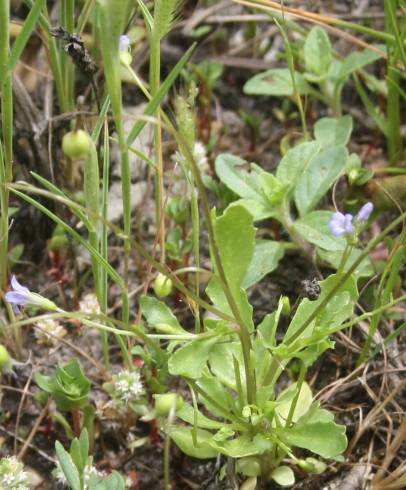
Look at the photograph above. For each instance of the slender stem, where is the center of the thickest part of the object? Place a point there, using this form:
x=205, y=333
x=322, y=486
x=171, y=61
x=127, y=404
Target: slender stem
x=291, y=64
x=6, y=141
x=372, y=244
x=167, y=447
x=155, y=79
x=104, y=242
x=394, y=136
x=383, y=296
x=296, y=398
x=76, y=422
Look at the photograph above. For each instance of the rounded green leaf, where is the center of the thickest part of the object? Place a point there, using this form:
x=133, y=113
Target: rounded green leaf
x=276, y=82
x=284, y=476
x=317, y=51
x=182, y=436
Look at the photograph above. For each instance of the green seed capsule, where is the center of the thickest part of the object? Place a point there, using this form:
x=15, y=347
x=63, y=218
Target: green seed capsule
x=162, y=286
x=306, y=466
x=76, y=144
x=5, y=359
x=164, y=403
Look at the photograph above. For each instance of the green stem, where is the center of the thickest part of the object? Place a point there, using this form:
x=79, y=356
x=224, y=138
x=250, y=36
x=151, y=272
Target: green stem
x=6, y=143
x=155, y=80
x=291, y=64
x=277, y=365
x=295, y=400
x=394, y=137
x=383, y=296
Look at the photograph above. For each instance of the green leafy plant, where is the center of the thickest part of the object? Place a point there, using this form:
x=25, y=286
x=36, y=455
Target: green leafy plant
x=70, y=388
x=76, y=469
x=232, y=369
x=323, y=76
x=304, y=175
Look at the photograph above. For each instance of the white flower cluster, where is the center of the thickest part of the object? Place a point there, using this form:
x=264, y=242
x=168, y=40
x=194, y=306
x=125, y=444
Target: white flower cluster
x=90, y=475
x=49, y=332
x=128, y=386
x=89, y=304
x=200, y=157
x=12, y=474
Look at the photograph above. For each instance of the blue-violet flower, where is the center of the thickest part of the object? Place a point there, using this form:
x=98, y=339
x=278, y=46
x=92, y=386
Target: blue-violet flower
x=365, y=212
x=21, y=296
x=341, y=223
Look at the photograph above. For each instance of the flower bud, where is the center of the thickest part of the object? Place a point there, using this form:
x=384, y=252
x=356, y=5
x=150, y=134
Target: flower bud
x=162, y=286
x=76, y=144
x=286, y=308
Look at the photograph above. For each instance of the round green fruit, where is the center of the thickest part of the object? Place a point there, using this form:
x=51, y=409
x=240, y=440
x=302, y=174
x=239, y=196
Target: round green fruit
x=76, y=144
x=306, y=466
x=5, y=359
x=162, y=286
x=164, y=403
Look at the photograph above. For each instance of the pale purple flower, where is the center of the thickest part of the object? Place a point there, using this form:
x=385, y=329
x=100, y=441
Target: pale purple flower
x=21, y=296
x=365, y=212
x=124, y=43
x=341, y=223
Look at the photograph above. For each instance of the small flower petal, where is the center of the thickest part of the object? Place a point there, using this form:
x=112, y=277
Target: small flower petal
x=17, y=286
x=365, y=212
x=336, y=224
x=348, y=223
x=341, y=223
x=124, y=43
x=17, y=297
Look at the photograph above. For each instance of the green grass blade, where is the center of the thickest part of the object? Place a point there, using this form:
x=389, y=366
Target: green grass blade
x=93, y=252
x=23, y=37
x=149, y=20
x=153, y=104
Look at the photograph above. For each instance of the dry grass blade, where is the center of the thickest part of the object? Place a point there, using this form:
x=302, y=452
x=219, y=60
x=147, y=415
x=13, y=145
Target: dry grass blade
x=322, y=20
x=396, y=479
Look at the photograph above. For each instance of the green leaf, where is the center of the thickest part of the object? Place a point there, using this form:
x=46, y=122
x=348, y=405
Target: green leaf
x=267, y=254
x=317, y=51
x=69, y=386
x=243, y=446
x=164, y=88
x=84, y=444
x=182, y=436
x=235, y=237
x=330, y=131
x=314, y=227
x=23, y=37
x=296, y=161
x=212, y=386
x=113, y=482
x=323, y=170
x=239, y=181
x=187, y=414
x=160, y=316
x=69, y=469
x=46, y=383
x=283, y=475
x=325, y=439
x=222, y=365
x=337, y=310
x=190, y=360
x=304, y=402
x=357, y=60
x=364, y=269
x=276, y=82
x=76, y=455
